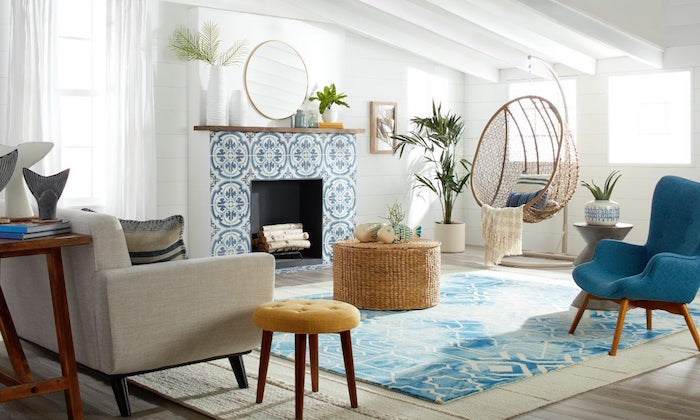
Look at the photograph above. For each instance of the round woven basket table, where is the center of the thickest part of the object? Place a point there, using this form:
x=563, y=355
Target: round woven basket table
x=374, y=275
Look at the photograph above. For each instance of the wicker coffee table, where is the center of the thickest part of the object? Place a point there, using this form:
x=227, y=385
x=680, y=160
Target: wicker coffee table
x=374, y=275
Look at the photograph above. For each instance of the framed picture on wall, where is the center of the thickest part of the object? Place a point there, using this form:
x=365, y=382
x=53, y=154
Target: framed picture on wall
x=382, y=125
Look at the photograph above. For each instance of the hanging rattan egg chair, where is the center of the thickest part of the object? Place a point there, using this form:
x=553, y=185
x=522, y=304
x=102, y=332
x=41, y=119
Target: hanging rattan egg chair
x=526, y=156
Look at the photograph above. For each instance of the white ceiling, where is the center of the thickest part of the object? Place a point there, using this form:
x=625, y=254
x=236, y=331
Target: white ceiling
x=481, y=37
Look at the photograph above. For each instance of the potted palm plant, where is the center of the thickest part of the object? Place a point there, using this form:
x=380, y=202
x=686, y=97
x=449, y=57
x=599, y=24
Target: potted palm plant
x=204, y=46
x=445, y=174
x=326, y=98
x=602, y=210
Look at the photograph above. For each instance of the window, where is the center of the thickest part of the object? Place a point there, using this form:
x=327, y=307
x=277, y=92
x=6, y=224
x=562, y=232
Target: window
x=649, y=118
x=549, y=90
x=81, y=61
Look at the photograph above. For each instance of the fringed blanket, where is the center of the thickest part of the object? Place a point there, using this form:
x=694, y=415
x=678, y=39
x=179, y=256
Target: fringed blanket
x=502, y=230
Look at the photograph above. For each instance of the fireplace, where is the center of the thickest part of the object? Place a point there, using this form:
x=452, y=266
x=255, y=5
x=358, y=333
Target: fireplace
x=314, y=165
x=285, y=201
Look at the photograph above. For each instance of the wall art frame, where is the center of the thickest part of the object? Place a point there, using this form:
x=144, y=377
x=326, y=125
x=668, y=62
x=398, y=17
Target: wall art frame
x=382, y=126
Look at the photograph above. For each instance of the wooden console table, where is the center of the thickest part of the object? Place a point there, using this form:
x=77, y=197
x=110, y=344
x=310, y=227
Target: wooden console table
x=21, y=384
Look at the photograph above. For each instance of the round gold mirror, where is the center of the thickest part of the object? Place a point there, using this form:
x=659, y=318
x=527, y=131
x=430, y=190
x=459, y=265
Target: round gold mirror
x=276, y=79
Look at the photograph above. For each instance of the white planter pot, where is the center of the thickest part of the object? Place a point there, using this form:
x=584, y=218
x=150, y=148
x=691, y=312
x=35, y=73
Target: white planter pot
x=602, y=212
x=238, y=108
x=330, y=115
x=451, y=236
x=217, y=97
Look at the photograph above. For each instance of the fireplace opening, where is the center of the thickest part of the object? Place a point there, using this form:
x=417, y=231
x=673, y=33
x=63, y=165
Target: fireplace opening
x=288, y=201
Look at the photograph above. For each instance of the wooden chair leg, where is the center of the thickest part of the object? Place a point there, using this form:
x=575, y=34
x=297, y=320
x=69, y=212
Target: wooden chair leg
x=579, y=314
x=313, y=356
x=346, y=344
x=264, y=361
x=299, y=373
x=239, y=370
x=691, y=325
x=649, y=319
x=624, y=306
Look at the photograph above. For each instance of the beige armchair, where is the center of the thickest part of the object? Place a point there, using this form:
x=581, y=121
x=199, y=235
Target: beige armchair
x=133, y=319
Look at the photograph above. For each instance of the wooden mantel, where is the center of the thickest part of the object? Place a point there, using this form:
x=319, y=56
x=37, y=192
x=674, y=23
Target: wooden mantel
x=277, y=129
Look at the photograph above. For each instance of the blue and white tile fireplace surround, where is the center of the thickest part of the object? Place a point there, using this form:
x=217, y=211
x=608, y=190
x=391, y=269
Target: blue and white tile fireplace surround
x=240, y=157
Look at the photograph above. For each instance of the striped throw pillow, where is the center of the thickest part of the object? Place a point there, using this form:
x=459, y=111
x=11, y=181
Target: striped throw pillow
x=154, y=241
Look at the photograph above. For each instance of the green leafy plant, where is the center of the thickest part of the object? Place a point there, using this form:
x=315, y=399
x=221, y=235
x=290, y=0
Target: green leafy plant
x=396, y=214
x=606, y=191
x=204, y=46
x=439, y=136
x=329, y=96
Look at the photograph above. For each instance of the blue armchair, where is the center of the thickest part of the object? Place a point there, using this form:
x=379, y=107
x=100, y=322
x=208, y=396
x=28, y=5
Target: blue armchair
x=662, y=274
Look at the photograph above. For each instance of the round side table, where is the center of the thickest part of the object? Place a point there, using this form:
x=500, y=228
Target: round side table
x=592, y=234
x=373, y=275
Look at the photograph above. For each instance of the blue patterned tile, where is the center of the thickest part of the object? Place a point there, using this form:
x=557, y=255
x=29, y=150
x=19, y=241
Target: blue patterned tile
x=237, y=159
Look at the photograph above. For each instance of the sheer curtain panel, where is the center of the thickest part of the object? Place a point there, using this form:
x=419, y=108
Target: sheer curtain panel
x=131, y=188
x=32, y=102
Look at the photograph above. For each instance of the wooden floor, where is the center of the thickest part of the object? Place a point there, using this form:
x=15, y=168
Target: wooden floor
x=670, y=392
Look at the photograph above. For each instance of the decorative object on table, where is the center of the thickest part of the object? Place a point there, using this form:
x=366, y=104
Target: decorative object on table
x=382, y=127
x=7, y=167
x=329, y=99
x=17, y=204
x=439, y=137
x=47, y=190
x=204, y=46
x=662, y=273
x=367, y=232
x=602, y=210
x=238, y=108
x=396, y=231
x=300, y=119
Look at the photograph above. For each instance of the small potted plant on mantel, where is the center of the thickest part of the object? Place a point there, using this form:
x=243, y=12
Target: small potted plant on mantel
x=328, y=97
x=602, y=210
x=439, y=138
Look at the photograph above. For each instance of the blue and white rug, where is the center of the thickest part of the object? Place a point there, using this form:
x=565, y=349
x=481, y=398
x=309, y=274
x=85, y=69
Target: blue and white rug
x=488, y=330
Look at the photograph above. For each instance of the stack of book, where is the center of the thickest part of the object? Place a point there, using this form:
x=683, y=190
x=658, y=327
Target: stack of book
x=34, y=229
x=324, y=124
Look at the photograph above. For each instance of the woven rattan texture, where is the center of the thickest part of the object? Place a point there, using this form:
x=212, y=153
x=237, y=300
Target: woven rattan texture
x=525, y=136
x=381, y=276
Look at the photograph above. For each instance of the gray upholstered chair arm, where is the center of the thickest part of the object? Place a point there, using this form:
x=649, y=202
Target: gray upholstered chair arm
x=165, y=314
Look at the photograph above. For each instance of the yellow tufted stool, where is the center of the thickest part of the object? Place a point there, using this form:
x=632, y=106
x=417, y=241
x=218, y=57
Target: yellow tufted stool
x=306, y=317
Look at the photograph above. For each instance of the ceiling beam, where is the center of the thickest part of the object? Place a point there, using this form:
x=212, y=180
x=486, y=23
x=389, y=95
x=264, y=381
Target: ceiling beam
x=372, y=23
x=454, y=28
x=513, y=21
x=633, y=47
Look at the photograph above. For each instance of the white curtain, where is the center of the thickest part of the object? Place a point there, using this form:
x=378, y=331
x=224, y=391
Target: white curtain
x=130, y=134
x=32, y=99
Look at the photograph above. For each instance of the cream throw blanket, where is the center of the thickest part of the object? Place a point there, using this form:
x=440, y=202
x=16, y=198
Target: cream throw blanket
x=502, y=230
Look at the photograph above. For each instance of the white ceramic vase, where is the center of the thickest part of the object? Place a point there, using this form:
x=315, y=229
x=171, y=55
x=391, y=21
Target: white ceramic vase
x=238, y=108
x=217, y=96
x=330, y=114
x=451, y=236
x=602, y=212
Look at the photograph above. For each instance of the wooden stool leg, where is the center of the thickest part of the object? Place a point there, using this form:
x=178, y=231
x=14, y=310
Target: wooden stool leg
x=299, y=373
x=264, y=360
x=346, y=344
x=313, y=356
